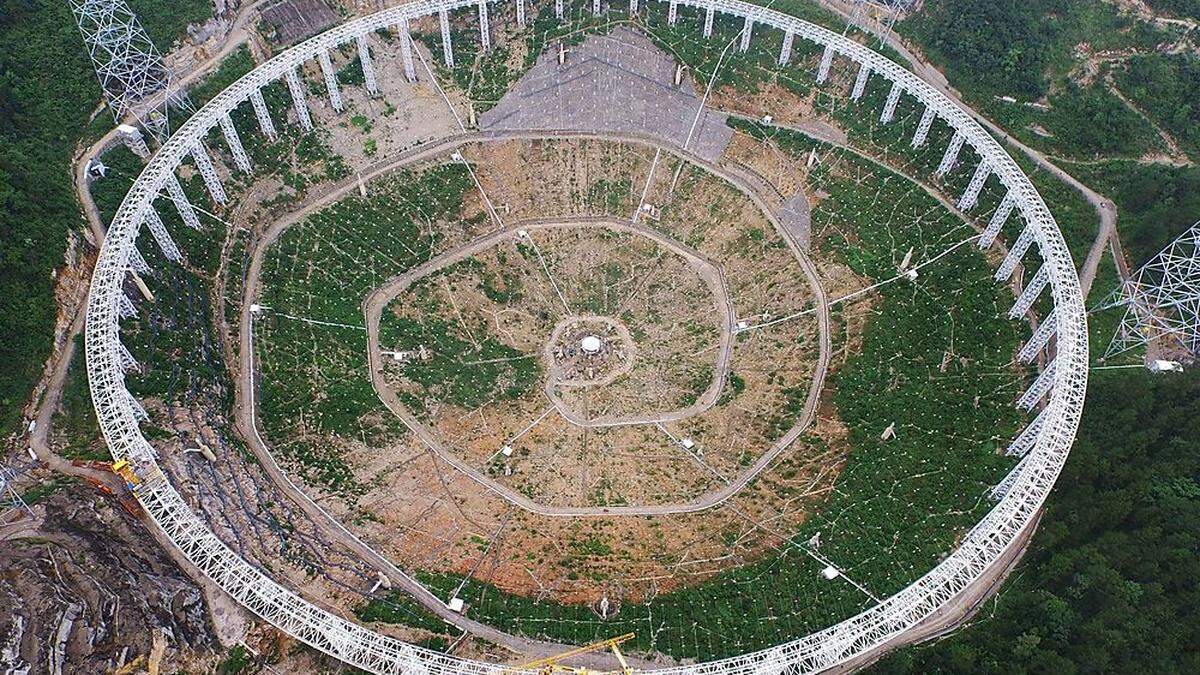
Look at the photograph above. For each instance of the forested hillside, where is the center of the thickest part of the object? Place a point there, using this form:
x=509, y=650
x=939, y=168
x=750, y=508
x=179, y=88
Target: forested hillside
x=1109, y=584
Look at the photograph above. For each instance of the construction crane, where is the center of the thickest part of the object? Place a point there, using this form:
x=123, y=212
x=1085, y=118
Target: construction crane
x=552, y=664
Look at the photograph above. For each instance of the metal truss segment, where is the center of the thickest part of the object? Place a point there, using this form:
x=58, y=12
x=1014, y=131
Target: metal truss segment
x=708, y=20
x=893, y=99
x=747, y=30
x=406, y=47
x=1025, y=440
x=1003, y=211
x=159, y=231
x=950, y=158
x=368, y=66
x=1020, y=247
x=521, y=12
x=826, y=62
x=447, y=47
x=299, y=103
x=208, y=173
x=1029, y=295
x=672, y=12
x=262, y=114
x=924, y=126
x=331, y=83
x=785, y=51
x=971, y=196
x=1040, y=387
x=485, y=30
x=180, y=200
x=860, y=82
x=235, y=144
x=1040, y=338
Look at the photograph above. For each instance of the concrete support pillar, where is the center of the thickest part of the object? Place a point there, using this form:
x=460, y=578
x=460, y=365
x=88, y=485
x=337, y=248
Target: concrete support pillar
x=826, y=62
x=182, y=205
x=1039, y=340
x=708, y=21
x=1029, y=294
x=234, y=142
x=447, y=49
x=1018, y=251
x=971, y=196
x=485, y=30
x=208, y=173
x=893, y=99
x=406, y=47
x=860, y=82
x=298, y=101
x=950, y=158
x=520, y=12
x=264, y=116
x=331, y=85
x=368, y=66
x=785, y=52
x=1040, y=387
x=997, y=222
x=134, y=140
x=161, y=237
x=923, y=128
x=672, y=12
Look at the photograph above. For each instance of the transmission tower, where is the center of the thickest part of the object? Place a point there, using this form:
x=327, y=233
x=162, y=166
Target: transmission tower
x=1162, y=301
x=10, y=500
x=131, y=71
x=888, y=11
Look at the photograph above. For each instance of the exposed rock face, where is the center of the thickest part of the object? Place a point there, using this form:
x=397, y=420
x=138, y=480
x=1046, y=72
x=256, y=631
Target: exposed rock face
x=84, y=589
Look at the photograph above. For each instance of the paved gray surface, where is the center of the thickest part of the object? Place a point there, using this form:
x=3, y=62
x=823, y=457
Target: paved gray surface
x=617, y=84
x=795, y=215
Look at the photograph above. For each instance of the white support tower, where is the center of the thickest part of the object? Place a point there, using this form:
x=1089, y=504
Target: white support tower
x=447, y=48
x=1162, y=301
x=924, y=126
x=971, y=196
x=1020, y=247
x=368, y=66
x=180, y=200
x=860, y=82
x=633, y=6
x=132, y=73
x=893, y=99
x=1007, y=482
x=137, y=264
x=785, y=52
x=208, y=172
x=1039, y=340
x=826, y=62
x=234, y=141
x=125, y=308
x=331, y=84
x=1040, y=387
x=596, y=7
x=558, y=8
x=299, y=103
x=125, y=358
x=1029, y=294
x=1025, y=440
x=672, y=12
x=520, y=12
x=997, y=222
x=406, y=51
x=485, y=30
x=950, y=158
x=708, y=20
x=161, y=237
x=747, y=31
x=263, y=114
x=11, y=502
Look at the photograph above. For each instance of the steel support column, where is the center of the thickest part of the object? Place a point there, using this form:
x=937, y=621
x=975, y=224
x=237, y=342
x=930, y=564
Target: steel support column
x=262, y=113
x=137, y=264
x=747, y=31
x=125, y=306
x=1039, y=340
x=182, y=205
x=558, y=8
x=1029, y=294
x=447, y=48
x=1025, y=440
x=596, y=7
x=860, y=82
x=826, y=62
x=208, y=173
x=234, y=142
x=161, y=237
x=406, y=54
x=368, y=66
x=485, y=30
x=997, y=222
x=520, y=12
x=331, y=85
x=950, y=158
x=1018, y=250
x=672, y=12
x=893, y=99
x=708, y=21
x=633, y=6
x=299, y=104
x=1040, y=387
x=785, y=52
x=971, y=196
x=923, y=127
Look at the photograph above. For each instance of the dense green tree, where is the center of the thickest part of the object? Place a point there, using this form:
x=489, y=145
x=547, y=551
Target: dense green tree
x=1109, y=584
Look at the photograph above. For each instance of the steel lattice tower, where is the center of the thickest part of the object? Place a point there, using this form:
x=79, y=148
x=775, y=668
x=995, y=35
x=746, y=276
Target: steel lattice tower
x=1162, y=299
x=130, y=68
x=10, y=499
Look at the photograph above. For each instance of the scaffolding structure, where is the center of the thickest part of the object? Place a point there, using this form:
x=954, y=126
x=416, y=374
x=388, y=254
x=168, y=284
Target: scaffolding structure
x=12, y=505
x=132, y=73
x=1161, y=301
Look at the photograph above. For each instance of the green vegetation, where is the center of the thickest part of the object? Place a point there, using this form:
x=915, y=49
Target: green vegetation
x=1109, y=583
x=399, y=608
x=314, y=380
x=1165, y=86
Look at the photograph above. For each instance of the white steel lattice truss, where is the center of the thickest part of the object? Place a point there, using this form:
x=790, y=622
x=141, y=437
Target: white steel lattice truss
x=130, y=69
x=1162, y=300
x=1044, y=448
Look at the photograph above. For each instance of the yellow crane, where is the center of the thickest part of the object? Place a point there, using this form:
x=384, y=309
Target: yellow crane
x=551, y=664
